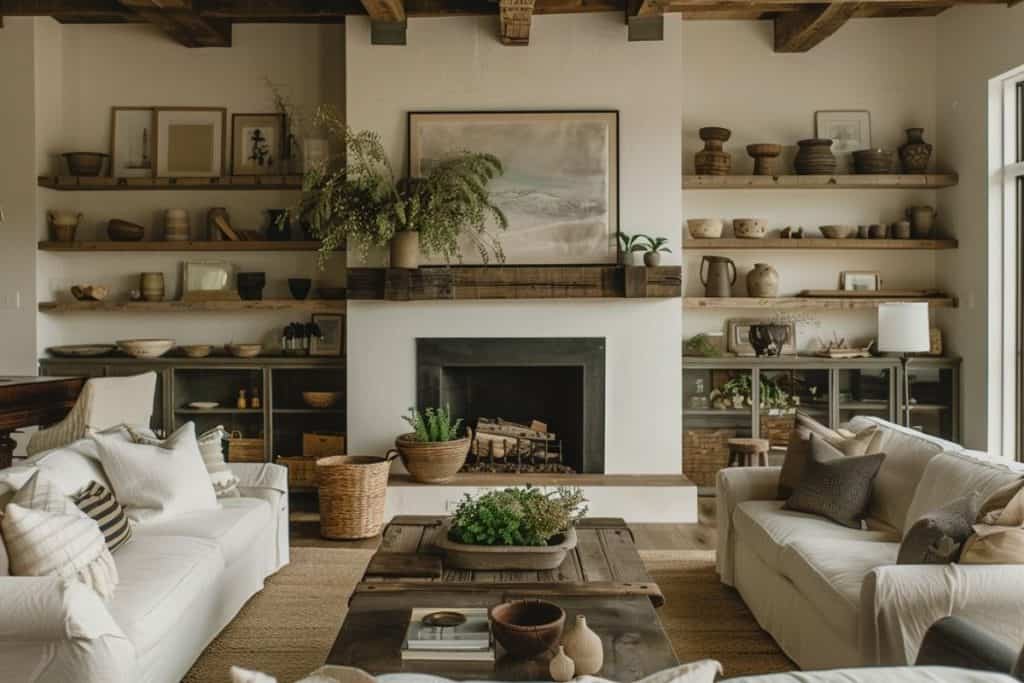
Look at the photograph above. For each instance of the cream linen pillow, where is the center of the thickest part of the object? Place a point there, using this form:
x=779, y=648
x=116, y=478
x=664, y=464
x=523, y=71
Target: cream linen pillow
x=1002, y=540
x=153, y=482
x=211, y=447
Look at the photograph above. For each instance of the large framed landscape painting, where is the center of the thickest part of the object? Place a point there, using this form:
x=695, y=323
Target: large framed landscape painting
x=561, y=182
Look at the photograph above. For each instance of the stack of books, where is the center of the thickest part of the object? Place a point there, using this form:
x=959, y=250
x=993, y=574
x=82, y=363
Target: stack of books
x=444, y=634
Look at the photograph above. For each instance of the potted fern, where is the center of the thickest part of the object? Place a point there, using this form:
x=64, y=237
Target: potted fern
x=363, y=202
x=652, y=247
x=434, y=450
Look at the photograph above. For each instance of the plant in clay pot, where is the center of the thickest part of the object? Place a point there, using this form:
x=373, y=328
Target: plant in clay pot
x=631, y=247
x=436, y=448
x=362, y=201
x=653, y=248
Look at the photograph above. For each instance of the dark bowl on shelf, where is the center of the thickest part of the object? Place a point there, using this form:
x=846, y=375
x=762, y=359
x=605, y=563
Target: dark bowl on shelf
x=527, y=628
x=299, y=287
x=873, y=161
x=250, y=285
x=85, y=163
x=124, y=231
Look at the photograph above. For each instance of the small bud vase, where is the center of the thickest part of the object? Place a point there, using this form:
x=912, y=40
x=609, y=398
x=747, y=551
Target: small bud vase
x=584, y=647
x=561, y=667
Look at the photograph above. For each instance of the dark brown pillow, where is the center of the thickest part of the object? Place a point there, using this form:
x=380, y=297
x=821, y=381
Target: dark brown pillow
x=835, y=486
x=798, y=452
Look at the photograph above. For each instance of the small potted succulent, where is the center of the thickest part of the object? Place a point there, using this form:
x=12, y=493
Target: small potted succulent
x=652, y=248
x=514, y=528
x=437, y=446
x=631, y=247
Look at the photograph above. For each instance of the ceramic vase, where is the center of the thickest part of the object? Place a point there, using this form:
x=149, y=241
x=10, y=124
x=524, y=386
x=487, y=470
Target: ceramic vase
x=561, y=667
x=815, y=157
x=712, y=160
x=405, y=249
x=176, y=225
x=763, y=281
x=584, y=648
x=922, y=220
x=652, y=259
x=915, y=153
x=900, y=230
x=719, y=277
x=152, y=286
x=768, y=340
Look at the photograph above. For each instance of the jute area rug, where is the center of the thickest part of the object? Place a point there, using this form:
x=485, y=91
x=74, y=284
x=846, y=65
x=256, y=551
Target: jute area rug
x=288, y=628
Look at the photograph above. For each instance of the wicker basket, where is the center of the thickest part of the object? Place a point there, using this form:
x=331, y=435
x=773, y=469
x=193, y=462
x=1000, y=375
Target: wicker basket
x=777, y=428
x=245, y=450
x=705, y=451
x=301, y=470
x=353, y=492
x=433, y=462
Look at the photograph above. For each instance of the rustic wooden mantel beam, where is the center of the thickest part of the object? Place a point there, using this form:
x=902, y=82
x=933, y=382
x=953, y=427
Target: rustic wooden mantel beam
x=801, y=30
x=514, y=19
x=180, y=20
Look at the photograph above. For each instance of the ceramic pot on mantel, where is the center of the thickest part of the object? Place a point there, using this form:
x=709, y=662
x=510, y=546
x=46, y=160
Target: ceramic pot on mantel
x=763, y=281
x=712, y=160
x=916, y=153
x=405, y=249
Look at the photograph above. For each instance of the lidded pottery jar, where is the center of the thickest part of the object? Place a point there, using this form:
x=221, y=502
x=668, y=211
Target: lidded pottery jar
x=916, y=153
x=815, y=157
x=763, y=281
x=583, y=647
x=712, y=160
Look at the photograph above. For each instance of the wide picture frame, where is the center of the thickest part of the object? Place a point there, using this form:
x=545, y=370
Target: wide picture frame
x=191, y=142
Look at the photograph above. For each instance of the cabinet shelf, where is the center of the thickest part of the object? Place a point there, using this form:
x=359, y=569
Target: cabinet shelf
x=219, y=411
x=798, y=302
x=164, y=246
x=103, y=183
x=309, y=411
x=310, y=305
x=812, y=243
x=887, y=181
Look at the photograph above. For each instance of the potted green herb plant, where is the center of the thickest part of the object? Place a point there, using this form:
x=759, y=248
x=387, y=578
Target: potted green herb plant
x=652, y=248
x=514, y=528
x=363, y=202
x=437, y=446
x=631, y=246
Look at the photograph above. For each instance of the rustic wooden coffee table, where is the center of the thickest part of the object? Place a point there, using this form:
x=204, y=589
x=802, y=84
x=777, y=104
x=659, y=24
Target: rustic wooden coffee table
x=603, y=578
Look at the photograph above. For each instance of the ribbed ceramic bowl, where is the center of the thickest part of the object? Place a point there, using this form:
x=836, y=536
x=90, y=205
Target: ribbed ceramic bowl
x=704, y=228
x=320, y=399
x=243, y=350
x=527, y=628
x=145, y=348
x=750, y=228
x=838, y=232
x=196, y=350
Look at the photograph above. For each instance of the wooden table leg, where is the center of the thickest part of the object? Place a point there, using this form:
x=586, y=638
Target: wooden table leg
x=7, y=446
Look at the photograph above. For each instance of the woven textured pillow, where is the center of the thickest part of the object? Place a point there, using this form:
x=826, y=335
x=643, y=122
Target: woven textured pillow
x=100, y=504
x=798, y=452
x=211, y=447
x=938, y=537
x=835, y=486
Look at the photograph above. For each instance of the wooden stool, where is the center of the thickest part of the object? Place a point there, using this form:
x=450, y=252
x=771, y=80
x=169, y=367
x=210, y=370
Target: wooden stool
x=748, y=452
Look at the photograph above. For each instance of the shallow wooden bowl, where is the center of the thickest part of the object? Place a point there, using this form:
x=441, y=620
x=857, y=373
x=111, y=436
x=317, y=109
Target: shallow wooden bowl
x=320, y=399
x=196, y=350
x=145, y=348
x=527, y=628
x=89, y=292
x=838, y=232
x=243, y=350
x=124, y=231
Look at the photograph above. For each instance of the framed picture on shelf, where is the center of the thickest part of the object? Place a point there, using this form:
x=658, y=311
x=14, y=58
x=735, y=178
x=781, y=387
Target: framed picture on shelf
x=131, y=142
x=560, y=188
x=190, y=141
x=332, y=335
x=257, y=144
x=208, y=281
x=860, y=281
x=738, y=337
x=849, y=131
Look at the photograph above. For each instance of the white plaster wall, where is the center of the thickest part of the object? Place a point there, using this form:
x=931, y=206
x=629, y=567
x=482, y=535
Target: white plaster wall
x=977, y=43
x=573, y=62
x=732, y=78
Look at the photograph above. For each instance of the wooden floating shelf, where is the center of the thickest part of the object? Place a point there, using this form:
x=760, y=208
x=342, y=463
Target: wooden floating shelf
x=885, y=181
x=514, y=282
x=310, y=305
x=547, y=479
x=815, y=243
x=165, y=246
x=798, y=302
x=90, y=183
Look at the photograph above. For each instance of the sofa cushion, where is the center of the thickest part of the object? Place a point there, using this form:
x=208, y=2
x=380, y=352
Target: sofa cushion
x=951, y=475
x=161, y=576
x=835, y=486
x=73, y=466
x=829, y=572
x=766, y=528
x=798, y=451
x=234, y=527
x=938, y=537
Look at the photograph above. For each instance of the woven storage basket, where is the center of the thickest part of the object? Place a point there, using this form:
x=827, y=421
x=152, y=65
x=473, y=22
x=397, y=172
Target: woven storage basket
x=353, y=492
x=433, y=462
x=705, y=451
x=301, y=470
x=245, y=450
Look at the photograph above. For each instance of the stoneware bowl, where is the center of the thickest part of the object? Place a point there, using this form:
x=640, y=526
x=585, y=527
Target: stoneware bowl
x=320, y=399
x=89, y=292
x=838, y=232
x=704, y=228
x=145, y=348
x=527, y=628
x=124, y=231
x=243, y=350
x=750, y=228
x=85, y=163
x=196, y=350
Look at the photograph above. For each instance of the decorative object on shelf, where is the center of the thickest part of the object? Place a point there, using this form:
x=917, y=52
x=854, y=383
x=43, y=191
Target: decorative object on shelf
x=131, y=142
x=838, y=348
x=177, y=226
x=404, y=249
x=257, y=146
x=705, y=345
x=872, y=161
x=190, y=141
x=254, y=398
x=860, y=281
x=849, y=131
x=299, y=287
x=862, y=232
x=433, y=452
x=321, y=399
x=900, y=230
x=652, y=249
x=213, y=231
x=196, y=350
x=561, y=668
x=763, y=281
x=631, y=249
x=279, y=227
x=815, y=157
x=712, y=160
x=145, y=348
x=922, y=220
x=134, y=295
x=791, y=233
x=151, y=285
x=331, y=335
x=208, y=281
x=561, y=184
x=838, y=232
x=203, y=405
x=878, y=231
x=63, y=224
x=750, y=228
x=88, y=164
x=719, y=277
x=584, y=647
x=242, y=402
x=89, y=292
x=737, y=394
x=296, y=338
x=699, y=400
x=764, y=155
x=243, y=449
x=81, y=350
x=935, y=337
x=527, y=628
x=243, y=350
x=768, y=339
x=124, y=231
x=352, y=495
x=326, y=290
x=322, y=444
x=915, y=152
x=738, y=336
x=704, y=228
x=250, y=285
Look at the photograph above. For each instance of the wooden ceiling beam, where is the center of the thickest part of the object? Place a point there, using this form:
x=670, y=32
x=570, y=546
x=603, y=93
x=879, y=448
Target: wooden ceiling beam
x=179, y=20
x=802, y=30
x=387, y=21
x=514, y=19
x=645, y=19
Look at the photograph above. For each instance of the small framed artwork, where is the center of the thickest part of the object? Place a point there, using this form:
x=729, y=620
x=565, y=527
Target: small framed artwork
x=738, y=337
x=860, y=281
x=208, y=281
x=849, y=131
x=190, y=141
x=332, y=335
x=131, y=142
x=257, y=144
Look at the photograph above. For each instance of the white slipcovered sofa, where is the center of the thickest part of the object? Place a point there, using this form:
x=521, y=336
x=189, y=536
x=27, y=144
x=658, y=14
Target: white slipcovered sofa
x=182, y=580
x=835, y=597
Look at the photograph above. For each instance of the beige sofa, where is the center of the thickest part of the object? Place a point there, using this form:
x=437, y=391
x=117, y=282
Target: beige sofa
x=835, y=597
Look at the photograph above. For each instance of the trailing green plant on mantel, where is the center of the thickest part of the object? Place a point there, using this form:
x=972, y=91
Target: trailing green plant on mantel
x=517, y=516
x=433, y=424
x=357, y=198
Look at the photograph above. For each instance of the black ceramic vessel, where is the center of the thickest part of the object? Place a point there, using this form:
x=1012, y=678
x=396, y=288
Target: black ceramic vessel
x=299, y=287
x=768, y=339
x=250, y=285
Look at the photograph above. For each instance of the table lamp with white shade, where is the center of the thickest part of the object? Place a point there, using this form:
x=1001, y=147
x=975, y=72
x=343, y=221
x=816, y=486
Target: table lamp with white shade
x=903, y=328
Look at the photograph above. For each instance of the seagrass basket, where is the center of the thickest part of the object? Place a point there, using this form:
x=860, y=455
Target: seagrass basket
x=353, y=492
x=433, y=462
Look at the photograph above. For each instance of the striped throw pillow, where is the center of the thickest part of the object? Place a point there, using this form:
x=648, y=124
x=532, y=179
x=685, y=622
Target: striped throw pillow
x=99, y=504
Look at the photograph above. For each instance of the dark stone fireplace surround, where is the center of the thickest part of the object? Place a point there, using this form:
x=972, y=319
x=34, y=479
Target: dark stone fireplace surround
x=435, y=354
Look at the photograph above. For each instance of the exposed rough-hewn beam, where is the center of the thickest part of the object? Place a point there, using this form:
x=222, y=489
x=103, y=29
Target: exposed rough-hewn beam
x=802, y=30
x=180, y=20
x=514, y=17
x=387, y=21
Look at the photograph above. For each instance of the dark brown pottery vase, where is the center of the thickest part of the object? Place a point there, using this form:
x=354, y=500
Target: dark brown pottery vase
x=712, y=160
x=916, y=153
x=815, y=157
x=768, y=340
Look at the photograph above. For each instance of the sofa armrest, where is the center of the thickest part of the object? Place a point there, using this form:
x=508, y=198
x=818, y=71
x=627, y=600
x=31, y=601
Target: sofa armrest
x=268, y=482
x=953, y=641
x=900, y=602
x=733, y=486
